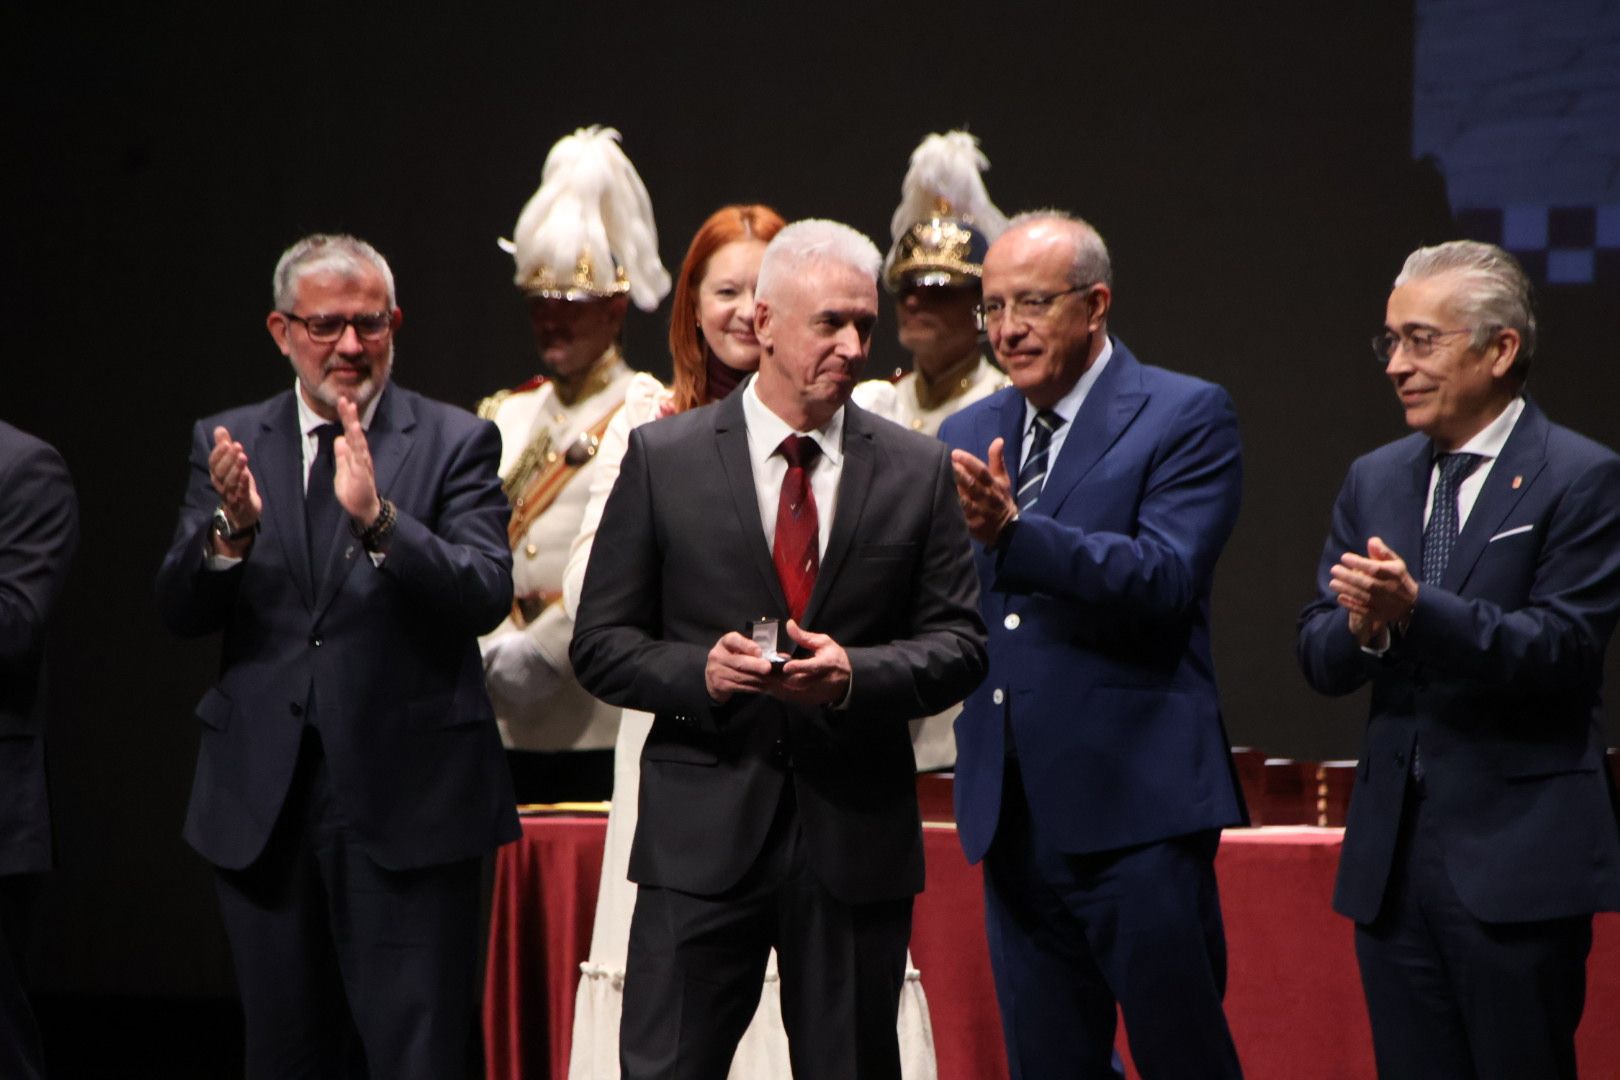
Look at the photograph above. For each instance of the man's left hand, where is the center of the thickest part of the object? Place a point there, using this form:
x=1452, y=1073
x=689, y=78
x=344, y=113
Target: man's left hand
x=822, y=678
x=354, y=482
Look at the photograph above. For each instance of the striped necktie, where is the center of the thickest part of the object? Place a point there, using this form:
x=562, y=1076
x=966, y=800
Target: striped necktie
x=1032, y=476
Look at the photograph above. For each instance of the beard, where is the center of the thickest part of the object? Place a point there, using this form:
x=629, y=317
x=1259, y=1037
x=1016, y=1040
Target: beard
x=363, y=394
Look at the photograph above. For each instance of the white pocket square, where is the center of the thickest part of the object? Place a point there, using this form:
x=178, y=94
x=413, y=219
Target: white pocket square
x=1510, y=532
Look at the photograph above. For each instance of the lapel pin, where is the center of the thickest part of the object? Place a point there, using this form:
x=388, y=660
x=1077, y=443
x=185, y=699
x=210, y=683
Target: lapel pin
x=1517, y=481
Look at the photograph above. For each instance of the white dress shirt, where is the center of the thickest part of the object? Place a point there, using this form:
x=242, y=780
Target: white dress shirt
x=766, y=431
x=1068, y=407
x=1488, y=445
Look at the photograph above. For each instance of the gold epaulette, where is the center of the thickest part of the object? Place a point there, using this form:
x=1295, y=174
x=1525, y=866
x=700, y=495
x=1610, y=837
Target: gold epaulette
x=488, y=407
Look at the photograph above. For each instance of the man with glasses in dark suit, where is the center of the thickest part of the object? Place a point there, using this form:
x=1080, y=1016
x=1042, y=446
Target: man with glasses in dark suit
x=1093, y=774
x=1472, y=576
x=347, y=540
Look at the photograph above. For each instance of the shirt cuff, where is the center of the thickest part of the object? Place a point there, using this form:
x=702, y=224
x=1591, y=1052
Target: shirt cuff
x=843, y=704
x=1379, y=645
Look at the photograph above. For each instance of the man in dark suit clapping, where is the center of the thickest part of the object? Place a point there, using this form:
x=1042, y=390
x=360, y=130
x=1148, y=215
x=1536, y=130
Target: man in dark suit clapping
x=1472, y=576
x=347, y=538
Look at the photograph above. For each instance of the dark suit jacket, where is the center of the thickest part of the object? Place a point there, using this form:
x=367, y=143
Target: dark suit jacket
x=681, y=558
x=1098, y=608
x=39, y=529
x=1497, y=676
x=386, y=656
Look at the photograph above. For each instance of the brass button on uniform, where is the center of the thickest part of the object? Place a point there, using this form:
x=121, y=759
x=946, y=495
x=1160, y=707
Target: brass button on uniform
x=1011, y=621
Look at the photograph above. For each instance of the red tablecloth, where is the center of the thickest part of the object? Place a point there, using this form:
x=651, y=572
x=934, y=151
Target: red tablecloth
x=1293, y=996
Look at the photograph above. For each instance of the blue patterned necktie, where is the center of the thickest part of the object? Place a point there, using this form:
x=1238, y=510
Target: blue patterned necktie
x=1032, y=477
x=1440, y=535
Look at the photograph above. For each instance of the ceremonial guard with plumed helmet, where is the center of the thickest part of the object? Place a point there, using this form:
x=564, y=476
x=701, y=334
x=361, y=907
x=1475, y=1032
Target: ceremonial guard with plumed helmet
x=941, y=229
x=944, y=224
x=585, y=245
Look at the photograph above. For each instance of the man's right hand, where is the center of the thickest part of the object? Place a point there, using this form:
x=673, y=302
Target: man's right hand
x=985, y=491
x=238, y=493
x=736, y=666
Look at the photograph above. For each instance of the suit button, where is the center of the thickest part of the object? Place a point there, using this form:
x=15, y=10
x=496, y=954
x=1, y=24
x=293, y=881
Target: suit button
x=315, y=641
x=1011, y=622
x=295, y=708
x=1400, y=760
x=998, y=697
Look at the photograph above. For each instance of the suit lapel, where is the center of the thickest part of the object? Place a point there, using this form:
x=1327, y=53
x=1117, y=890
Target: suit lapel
x=731, y=444
x=1523, y=457
x=278, y=469
x=390, y=445
x=1110, y=405
x=1409, y=490
x=854, y=483
x=1007, y=423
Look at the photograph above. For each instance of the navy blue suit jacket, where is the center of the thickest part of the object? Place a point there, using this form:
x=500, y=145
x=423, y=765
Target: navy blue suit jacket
x=1497, y=676
x=39, y=529
x=386, y=656
x=1098, y=612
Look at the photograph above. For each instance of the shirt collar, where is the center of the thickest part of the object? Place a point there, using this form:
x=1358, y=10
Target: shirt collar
x=309, y=420
x=1489, y=442
x=1068, y=405
x=766, y=430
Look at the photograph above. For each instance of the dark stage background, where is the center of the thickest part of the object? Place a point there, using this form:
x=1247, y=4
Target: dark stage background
x=1250, y=166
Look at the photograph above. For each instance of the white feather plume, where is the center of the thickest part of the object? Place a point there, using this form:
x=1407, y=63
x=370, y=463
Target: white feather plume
x=591, y=200
x=948, y=167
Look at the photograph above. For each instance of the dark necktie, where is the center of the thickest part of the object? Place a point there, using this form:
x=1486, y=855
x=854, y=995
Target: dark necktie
x=1032, y=477
x=1440, y=535
x=796, y=551
x=321, y=509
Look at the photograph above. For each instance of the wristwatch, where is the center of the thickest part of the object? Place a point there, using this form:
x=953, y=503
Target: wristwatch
x=224, y=530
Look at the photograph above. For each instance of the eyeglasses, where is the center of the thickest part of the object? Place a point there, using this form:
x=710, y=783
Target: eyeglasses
x=1028, y=308
x=325, y=329
x=1420, y=342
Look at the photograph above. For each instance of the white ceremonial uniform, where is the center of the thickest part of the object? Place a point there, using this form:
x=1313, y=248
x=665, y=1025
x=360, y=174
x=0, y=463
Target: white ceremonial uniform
x=933, y=738
x=539, y=705
x=902, y=400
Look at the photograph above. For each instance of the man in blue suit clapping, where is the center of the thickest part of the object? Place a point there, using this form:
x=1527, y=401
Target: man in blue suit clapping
x=1093, y=773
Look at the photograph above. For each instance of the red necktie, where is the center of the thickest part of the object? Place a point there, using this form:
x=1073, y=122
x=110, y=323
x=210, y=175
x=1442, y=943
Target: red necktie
x=797, y=548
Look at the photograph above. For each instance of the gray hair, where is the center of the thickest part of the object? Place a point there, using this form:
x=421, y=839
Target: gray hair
x=1091, y=262
x=1494, y=292
x=814, y=240
x=338, y=253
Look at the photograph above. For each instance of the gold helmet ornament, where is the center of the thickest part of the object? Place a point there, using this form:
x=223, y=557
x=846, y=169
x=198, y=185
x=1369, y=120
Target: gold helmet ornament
x=588, y=232
x=945, y=221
